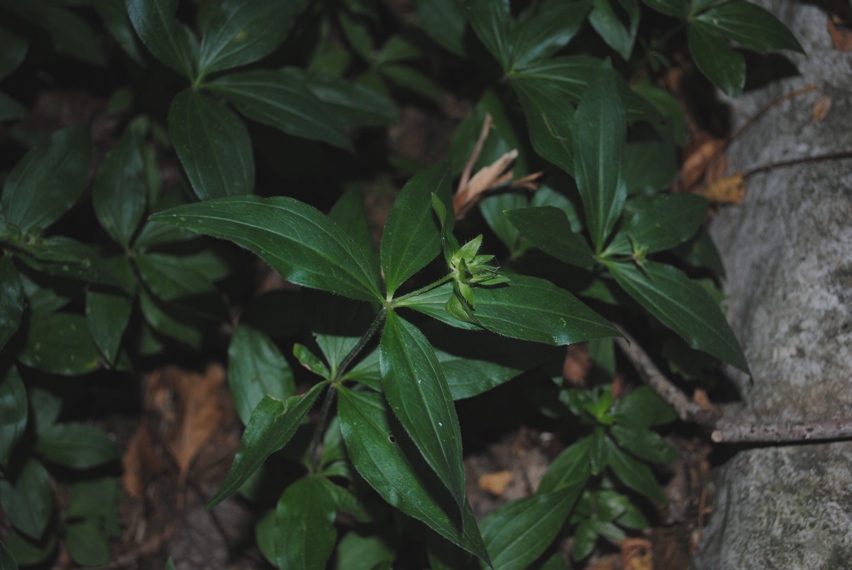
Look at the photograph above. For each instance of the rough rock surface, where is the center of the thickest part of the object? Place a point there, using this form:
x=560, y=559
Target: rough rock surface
x=788, y=254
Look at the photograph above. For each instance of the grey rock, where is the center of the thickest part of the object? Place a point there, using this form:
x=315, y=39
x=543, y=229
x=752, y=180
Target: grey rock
x=788, y=255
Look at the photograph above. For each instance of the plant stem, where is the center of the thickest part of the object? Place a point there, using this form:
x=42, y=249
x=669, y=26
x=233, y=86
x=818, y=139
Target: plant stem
x=374, y=327
x=400, y=302
x=315, y=439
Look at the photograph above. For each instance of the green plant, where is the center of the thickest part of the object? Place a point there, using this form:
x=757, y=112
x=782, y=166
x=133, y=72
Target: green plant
x=399, y=331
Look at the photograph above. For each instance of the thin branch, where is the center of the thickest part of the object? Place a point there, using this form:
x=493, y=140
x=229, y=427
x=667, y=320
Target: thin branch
x=728, y=432
x=751, y=120
x=794, y=161
x=686, y=409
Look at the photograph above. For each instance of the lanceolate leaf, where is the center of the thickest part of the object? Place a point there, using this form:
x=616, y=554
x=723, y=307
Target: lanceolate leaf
x=383, y=456
x=65, y=257
x=120, y=193
x=444, y=22
x=548, y=228
x=256, y=368
x=518, y=532
x=599, y=132
x=281, y=101
x=171, y=279
x=549, y=28
x=634, y=473
x=606, y=20
x=411, y=238
x=417, y=392
x=213, y=145
x=722, y=65
x=169, y=41
x=644, y=443
x=663, y=223
x=28, y=500
x=549, y=118
x=349, y=213
x=682, y=305
x=351, y=104
x=490, y=20
x=60, y=344
x=243, y=31
x=271, y=426
x=107, y=315
x=303, y=245
x=751, y=26
x=676, y=8
x=571, y=468
x=304, y=524
x=49, y=179
x=14, y=51
x=13, y=412
x=76, y=445
x=11, y=300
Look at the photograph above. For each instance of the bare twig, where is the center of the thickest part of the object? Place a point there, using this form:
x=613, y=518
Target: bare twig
x=728, y=432
x=795, y=161
x=686, y=410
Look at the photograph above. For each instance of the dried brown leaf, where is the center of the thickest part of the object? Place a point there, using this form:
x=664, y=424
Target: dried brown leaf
x=821, y=109
x=727, y=190
x=495, y=483
x=841, y=34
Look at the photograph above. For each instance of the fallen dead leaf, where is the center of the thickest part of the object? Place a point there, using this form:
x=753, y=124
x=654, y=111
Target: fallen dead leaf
x=495, y=483
x=609, y=562
x=140, y=463
x=727, y=190
x=576, y=365
x=821, y=109
x=704, y=162
x=636, y=554
x=840, y=32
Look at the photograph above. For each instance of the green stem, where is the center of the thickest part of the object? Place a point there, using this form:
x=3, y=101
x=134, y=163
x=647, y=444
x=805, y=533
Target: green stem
x=400, y=302
x=315, y=439
x=374, y=327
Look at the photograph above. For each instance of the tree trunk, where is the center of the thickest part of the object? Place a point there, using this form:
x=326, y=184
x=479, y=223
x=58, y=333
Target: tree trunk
x=788, y=255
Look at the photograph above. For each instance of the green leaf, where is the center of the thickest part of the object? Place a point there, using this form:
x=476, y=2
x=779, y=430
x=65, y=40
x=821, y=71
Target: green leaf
x=571, y=468
x=598, y=450
x=518, y=532
x=117, y=22
x=751, y=26
x=674, y=8
x=170, y=41
x=411, y=237
x=304, y=523
x=97, y=500
x=170, y=564
x=87, y=544
x=682, y=305
x=634, y=473
x=28, y=500
x=168, y=320
x=120, y=192
x=467, y=377
x=650, y=166
x=213, y=145
x=444, y=22
x=11, y=301
x=300, y=243
x=722, y=65
x=702, y=252
x=645, y=444
x=617, y=22
x=279, y=100
x=244, y=31
x=60, y=344
x=64, y=257
x=171, y=279
x=351, y=104
x=338, y=324
x=49, y=179
x=10, y=109
x=45, y=407
x=14, y=410
x=409, y=78
x=7, y=560
x=494, y=210
x=419, y=396
x=272, y=424
x=548, y=228
x=642, y=408
x=585, y=538
x=546, y=28
x=390, y=464
x=357, y=552
x=349, y=213
x=107, y=315
x=30, y=552
x=76, y=445
x=490, y=20
x=549, y=119
x=14, y=50
x=599, y=132
x=256, y=368
x=662, y=223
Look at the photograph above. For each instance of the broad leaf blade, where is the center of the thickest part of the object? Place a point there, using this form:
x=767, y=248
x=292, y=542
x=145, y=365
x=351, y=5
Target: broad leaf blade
x=349, y=213
x=518, y=532
x=411, y=237
x=554, y=24
x=751, y=26
x=279, y=100
x=549, y=119
x=64, y=257
x=304, y=524
x=11, y=300
x=548, y=228
x=491, y=20
x=351, y=104
x=169, y=41
x=599, y=132
x=571, y=468
x=28, y=501
x=682, y=305
x=120, y=192
x=644, y=443
x=49, y=179
x=76, y=445
x=661, y=224
x=722, y=65
x=634, y=473
x=675, y=8
x=60, y=344
x=607, y=21
x=107, y=315
x=417, y=392
x=173, y=280
x=213, y=145
x=303, y=245
x=444, y=22
x=272, y=424
x=382, y=455
x=14, y=411
x=244, y=31
x=256, y=368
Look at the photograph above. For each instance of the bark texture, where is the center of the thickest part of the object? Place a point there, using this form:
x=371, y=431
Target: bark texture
x=788, y=255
